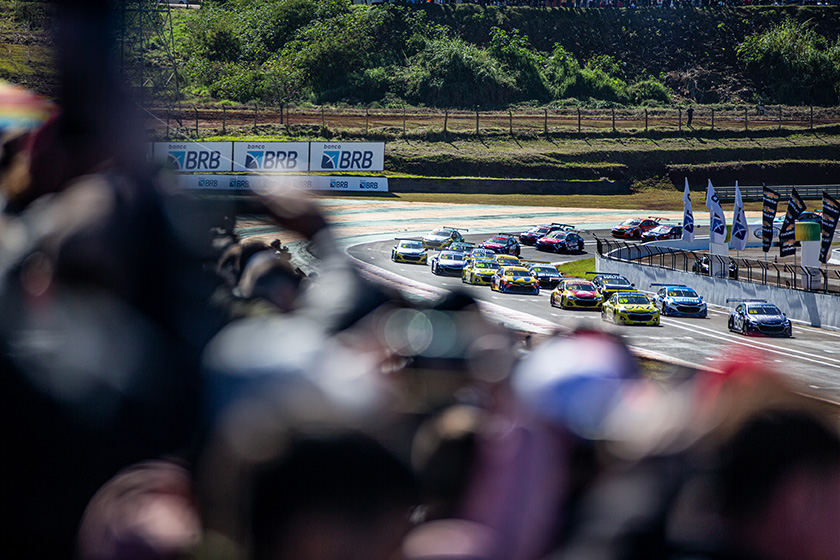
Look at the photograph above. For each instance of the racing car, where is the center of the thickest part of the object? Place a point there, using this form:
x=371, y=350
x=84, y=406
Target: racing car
x=679, y=301
x=507, y=260
x=515, y=280
x=633, y=228
x=442, y=237
x=630, y=308
x=662, y=232
x=561, y=241
x=462, y=246
x=409, y=251
x=479, y=271
x=546, y=274
x=756, y=316
x=447, y=263
x=479, y=253
x=531, y=236
x=576, y=293
x=502, y=243
x=608, y=283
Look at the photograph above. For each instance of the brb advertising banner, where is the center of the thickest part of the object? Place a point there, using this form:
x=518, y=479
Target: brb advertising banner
x=787, y=236
x=347, y=156
x=274, y=157
x=195, y=157
x=269, y=183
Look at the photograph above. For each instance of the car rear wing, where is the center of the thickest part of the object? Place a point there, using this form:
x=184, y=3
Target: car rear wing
x=741, y=300
x=671, y=285
x=420, y=239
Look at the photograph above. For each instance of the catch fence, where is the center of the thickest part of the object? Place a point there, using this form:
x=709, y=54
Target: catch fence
x=205, y=120
x=781, y=275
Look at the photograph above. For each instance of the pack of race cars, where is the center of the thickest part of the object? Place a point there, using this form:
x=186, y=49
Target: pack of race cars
x=496, y=262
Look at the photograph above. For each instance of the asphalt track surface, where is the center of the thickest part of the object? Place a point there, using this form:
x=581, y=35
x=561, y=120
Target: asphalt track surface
x=367, y=229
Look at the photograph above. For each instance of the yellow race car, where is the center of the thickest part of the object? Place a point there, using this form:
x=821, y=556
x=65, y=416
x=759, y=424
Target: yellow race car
x=630, y=308
x=576, y=293
x=479, y=271
x=515, y=280
x=507, y=260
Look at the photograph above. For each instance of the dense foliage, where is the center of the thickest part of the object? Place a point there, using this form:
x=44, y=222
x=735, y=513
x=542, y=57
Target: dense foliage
x=794, y=64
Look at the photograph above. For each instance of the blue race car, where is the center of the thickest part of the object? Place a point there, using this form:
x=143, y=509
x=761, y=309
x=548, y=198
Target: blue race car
x=447, y=263
x=679, y=301
x=756, y=316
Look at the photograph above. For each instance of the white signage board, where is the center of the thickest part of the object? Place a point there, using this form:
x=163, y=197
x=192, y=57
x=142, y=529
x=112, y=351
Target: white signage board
x=346, y=156
x=267, y=183
x=271, y=157
x=195, y=157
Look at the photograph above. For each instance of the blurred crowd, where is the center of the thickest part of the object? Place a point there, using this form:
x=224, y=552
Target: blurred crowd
x=175, y=391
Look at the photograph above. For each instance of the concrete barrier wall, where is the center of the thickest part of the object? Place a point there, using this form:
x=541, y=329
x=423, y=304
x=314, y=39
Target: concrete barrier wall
x=506, y=186
x=818, y=310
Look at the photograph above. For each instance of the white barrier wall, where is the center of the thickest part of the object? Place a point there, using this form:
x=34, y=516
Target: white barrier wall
x=818, y=310
x=270, y=182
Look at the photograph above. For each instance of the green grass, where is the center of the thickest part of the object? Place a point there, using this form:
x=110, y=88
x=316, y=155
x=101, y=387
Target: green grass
x=577, y=269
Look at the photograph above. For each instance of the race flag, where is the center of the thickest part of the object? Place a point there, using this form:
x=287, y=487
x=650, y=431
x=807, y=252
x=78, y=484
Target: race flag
x=787, y=236
x=717, y=222
x=739, y=223
x=830, y=213
x=688, y=217
x=768, y=214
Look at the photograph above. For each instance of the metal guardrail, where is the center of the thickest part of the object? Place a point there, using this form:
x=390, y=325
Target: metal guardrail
x=750, y=192
x=743, y=270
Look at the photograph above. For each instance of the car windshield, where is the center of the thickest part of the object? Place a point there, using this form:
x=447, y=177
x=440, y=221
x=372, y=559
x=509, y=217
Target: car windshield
x=448, y=256
x=487, y=264
x=682, y=292
x=410, y=245
x=633, y=300
x=544, y=270
x=763, y=310
x=441, y=232
x=631, y=222
x=557, y=235
x=580, y=287
x=517, y=272
x=539, y=229
x=616, y=281
x=499, y=240
x=661, y=229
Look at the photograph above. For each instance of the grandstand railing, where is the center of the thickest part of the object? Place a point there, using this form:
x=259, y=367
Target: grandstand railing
x=755, y=271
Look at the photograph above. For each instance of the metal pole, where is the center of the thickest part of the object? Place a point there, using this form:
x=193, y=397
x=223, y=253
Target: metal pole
x=403, y=120
x=578, y=120
x=680, y=121
x=224, y=118
x=780, y=117
x=445, y=119
x=746, y=125
x=713, y=119
x=196, y=120
x=322, y=117
x=476, y=121
x=367, y=116
x=613, y=119
x=255, y=116
x=812, y=117
x=545, y=121
x=646, y=120
x=510, y=121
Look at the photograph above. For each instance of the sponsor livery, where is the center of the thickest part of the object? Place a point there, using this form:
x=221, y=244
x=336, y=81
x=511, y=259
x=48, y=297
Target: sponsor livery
x=347, y=156
x=679, y=301
x=630, y=308
x=759, y=317
x=576, y=293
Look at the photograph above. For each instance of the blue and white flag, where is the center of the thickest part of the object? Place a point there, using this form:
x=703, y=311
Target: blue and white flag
x=717, y=221
x=739, y=223
x=688, y=217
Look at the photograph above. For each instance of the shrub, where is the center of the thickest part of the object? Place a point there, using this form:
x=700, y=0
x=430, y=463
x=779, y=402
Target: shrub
x=647, y=91
x=791, y=63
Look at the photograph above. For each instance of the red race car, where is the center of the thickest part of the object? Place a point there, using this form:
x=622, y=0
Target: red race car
x=635, y=227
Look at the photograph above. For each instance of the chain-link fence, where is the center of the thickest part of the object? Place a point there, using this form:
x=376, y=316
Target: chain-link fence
x=756, y=271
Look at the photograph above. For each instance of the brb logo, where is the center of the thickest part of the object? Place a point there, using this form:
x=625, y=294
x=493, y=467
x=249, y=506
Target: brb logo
x=346, y=159
x=268, y=159
x=194, y=160
x=688, y=222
